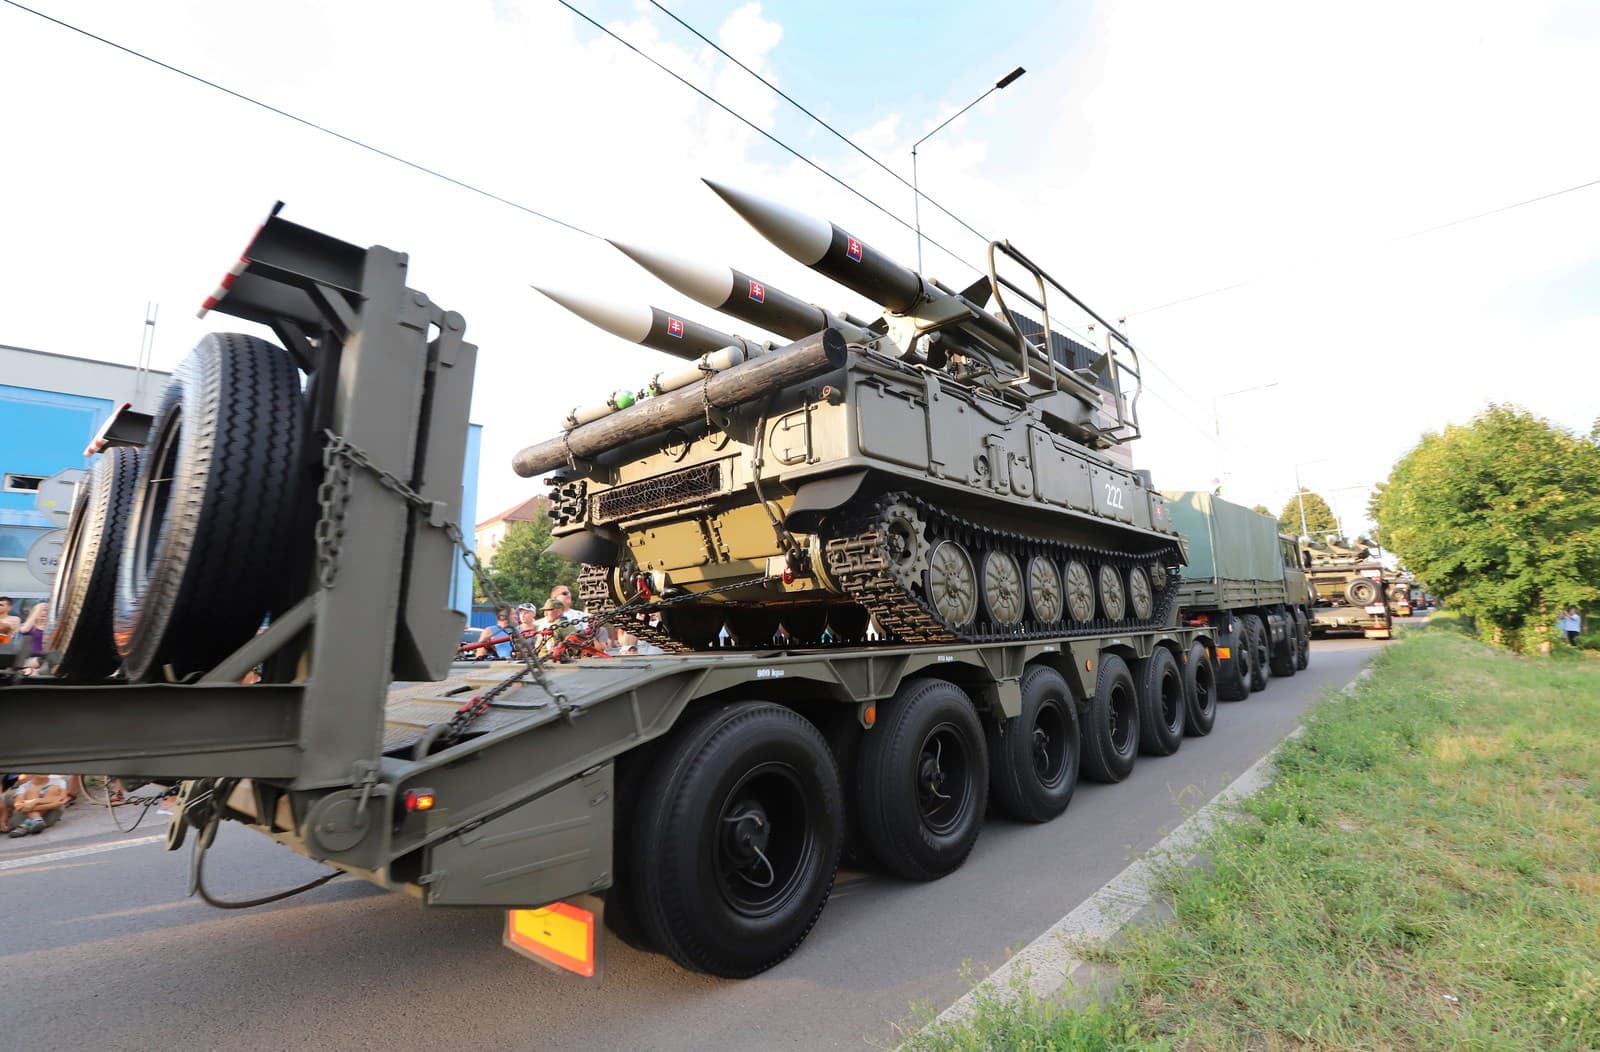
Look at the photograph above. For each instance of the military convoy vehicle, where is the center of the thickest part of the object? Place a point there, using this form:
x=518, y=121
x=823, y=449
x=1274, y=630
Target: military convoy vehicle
x=1400, y=597
x=942, y=474
x=699, y=803
x=1245, y=582
x=1351, y=589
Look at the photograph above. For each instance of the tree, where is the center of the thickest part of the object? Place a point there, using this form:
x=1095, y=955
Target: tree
x=1501, y=517
x=1260, y=509
x=1319, y=517
x=522, y=571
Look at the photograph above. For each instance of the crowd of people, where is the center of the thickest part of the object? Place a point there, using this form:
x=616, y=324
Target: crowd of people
x=31, y=625
x=548, y=623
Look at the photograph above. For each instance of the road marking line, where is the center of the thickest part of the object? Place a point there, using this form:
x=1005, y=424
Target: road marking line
x=77, y=852
x=1046, y=965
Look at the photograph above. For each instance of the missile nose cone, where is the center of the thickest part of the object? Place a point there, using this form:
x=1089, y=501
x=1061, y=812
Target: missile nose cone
x=707, y=284
x=806, y=238
x=631, y=321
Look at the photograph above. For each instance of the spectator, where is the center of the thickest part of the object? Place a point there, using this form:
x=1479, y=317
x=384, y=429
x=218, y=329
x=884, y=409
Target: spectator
x=9, y=622
x=34, y=805
x=564, y=594
x=527, y=618
x=33, y=627
x=1570, y=622
x=555, y=611
x=501, y=629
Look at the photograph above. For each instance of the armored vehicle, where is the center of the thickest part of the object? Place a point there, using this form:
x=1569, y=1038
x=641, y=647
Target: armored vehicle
x=1246, y=582
x=698, y=804
x=944, y=473
x=1351, y=589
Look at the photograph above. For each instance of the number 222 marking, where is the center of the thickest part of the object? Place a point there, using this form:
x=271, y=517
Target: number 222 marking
x=1114, y=497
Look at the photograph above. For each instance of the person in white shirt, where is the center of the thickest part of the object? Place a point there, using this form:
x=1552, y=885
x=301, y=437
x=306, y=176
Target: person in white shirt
x=34, y=804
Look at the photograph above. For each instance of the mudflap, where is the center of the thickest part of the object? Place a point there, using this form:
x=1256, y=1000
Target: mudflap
x=1377, y=633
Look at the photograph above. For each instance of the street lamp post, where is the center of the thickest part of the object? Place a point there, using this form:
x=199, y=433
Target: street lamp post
x=916, y=192
x=1300, y=492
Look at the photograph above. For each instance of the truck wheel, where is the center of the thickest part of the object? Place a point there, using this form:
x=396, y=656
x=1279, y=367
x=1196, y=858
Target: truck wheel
x=1361, y=591
x=1234, y=671
x=922, y=780
x=1302, y=641
x=1033, y=757
x=83, y=601
x=1283, y=654
x=1199, y=692
x=1111, y=726
x=1260, y=652
x=740, y=823
x=1160, y=704
x=215, y=510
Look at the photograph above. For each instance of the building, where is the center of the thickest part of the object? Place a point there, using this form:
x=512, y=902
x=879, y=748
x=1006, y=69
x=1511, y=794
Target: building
x=51, y=405
x=491, y=532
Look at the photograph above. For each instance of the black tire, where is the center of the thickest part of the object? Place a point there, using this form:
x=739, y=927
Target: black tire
x=1199, y=692
x=748, y=793
x=922, y=781
x=1361, y=591
x=1111, y=724
x=1260, y=651
x=1302, y=641
x=1160, y=704
x=1034, y=757
x=1234, y=671
x=84, y=599
x=214, y=518
x=1283, y=654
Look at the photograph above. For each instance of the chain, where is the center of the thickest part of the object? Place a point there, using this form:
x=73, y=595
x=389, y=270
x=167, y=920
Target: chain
x=338, y=458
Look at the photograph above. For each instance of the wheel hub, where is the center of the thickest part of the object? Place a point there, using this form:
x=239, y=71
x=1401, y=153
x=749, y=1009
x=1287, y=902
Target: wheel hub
x=747, y=833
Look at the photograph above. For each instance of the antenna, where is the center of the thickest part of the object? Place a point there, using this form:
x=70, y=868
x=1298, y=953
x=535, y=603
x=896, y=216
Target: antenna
x=147, y=346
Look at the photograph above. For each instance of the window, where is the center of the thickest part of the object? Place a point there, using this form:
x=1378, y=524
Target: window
x=15, y=483
x=16, y=540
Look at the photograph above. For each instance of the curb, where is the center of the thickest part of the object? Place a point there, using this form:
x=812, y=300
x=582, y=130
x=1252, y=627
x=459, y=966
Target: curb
x=1048, y=965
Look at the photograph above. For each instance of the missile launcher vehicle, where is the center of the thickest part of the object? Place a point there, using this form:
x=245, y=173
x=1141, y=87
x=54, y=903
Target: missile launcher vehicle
x=945, y=473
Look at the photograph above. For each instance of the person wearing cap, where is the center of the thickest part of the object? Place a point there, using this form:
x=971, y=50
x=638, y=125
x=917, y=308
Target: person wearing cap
x=554, y=611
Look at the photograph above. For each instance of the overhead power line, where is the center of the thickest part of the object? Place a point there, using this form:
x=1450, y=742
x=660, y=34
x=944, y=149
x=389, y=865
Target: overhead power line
x=324, y=129
x=836, y=132
x=1390, y=240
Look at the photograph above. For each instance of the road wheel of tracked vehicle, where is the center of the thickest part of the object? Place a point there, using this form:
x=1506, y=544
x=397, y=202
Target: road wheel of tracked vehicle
x=847, y=624
x=1034, y=756
x=922, y=780
x=83, y=601
x=1079, y=591
x=1113, y=599
x=739, y=829
x=1044, y=589
x=952, y=583
x=1260, y=651
x=1111, y=724
x=1234, y=670
x=214, y=519
x=1361, y=591
x=1140, y=600
x=692, y=625
x=1302, y=641
x=1283, y=654
x=1002, y=589
x=1199, y=692
x=1160, y=704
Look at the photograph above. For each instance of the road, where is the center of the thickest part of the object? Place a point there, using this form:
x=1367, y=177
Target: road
x=104, y=950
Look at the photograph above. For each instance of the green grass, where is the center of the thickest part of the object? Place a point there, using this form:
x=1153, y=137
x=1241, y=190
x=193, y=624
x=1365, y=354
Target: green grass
x=1424, y=873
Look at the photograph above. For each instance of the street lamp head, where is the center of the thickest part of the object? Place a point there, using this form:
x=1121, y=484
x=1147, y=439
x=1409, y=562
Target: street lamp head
x=1009, y=77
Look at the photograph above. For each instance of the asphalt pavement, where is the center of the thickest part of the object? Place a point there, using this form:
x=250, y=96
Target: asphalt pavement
x=104, y=950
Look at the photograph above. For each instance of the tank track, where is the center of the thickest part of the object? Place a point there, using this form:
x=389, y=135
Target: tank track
x=594, y=588
x=858, y=561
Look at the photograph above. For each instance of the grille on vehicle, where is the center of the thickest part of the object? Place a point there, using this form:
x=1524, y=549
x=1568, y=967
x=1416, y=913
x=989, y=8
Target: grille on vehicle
x=664, y=491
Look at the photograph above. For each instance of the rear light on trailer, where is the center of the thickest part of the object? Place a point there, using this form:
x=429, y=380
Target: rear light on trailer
x=419, y=799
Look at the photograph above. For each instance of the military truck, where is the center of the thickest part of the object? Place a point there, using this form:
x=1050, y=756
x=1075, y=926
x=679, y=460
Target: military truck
x=1400, y=604
x=1351, y=589
x=698, y=804
x=1245, y=582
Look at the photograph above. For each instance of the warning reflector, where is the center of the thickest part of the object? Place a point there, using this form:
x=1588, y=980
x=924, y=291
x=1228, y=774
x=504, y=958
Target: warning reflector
x=559, y=934
x=1224, y=653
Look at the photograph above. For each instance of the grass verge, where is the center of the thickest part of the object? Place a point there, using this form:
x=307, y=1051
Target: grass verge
x=1424, y=873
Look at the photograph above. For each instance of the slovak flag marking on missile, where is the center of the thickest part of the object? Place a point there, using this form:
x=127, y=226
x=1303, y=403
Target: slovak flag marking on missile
x=758, y=292
x=675, y=328
x=852, y=249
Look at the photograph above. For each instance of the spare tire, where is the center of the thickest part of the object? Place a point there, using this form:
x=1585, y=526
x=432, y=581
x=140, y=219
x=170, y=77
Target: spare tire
x=83, y=601
x=1361, y=591
x=216, y=510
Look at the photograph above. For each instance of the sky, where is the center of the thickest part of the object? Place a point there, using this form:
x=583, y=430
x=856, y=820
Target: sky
x=1298, y=157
